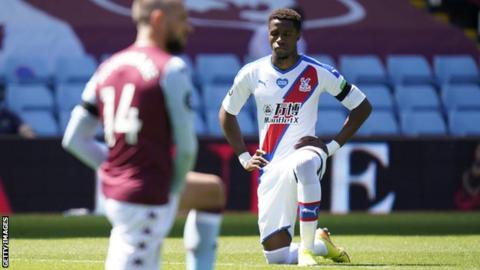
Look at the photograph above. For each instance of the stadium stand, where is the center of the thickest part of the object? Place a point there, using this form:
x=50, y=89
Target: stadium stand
x=246, y=124
x=461, y=97
x=26, y=70
x=409, y=69
x=379, y=123
x=216, y=68
x=67, y=95
x=213, y=95
x=200, y=126
x=418, y=123
x=324, y=59
x=74, y=69
x=21, y=98
x=329, y=102
x=212, y=123
x=455, y=69
x=42, y=122
x=363, y=69
x=464, y=123
x=379, y=96
x=329, y=122
x=196, y=100
x=417, y=97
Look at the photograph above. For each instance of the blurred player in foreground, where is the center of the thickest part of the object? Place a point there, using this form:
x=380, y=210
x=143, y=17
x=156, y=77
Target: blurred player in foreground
x=141, y=95
x=291, y=160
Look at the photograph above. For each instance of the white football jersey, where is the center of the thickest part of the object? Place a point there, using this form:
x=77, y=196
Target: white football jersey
x=287, y=100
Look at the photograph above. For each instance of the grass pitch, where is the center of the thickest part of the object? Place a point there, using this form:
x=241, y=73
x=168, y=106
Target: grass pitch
x=397, y=241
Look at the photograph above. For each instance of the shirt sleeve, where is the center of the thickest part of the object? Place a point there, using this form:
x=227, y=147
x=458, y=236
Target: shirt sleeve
x=177, y=87
x=336, y=85
x=239, y=92
x=88, y=94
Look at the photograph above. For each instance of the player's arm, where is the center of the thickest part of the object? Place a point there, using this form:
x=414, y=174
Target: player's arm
x=79, y=137
x=231, y=106
x=360, y=108
x=358, y=114
x=177, y=90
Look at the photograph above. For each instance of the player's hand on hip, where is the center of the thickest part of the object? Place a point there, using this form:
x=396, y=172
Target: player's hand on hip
x=312, y=141
x=257, y=161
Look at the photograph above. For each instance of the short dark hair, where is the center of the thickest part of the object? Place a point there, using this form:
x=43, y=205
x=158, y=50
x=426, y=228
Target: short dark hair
x=287, y=14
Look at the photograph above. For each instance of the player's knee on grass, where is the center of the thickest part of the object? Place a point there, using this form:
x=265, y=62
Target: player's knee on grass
x=277, y=240
x=278, y=256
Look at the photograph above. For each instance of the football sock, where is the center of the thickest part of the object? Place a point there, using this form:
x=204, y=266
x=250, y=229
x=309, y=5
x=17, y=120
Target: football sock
x=277, y=256
x=293, y=254
x=200, y=238
x=309, y=195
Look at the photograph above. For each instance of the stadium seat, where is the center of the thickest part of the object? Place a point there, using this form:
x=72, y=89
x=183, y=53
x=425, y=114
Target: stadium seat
x=41, y=121
x=21, y=97
x=247, y=125
x=63, y=117
x=409, y=69
x=418, y=123
x=416, y=97
x=464, y=123
x=2, y=69
x=216, y=68
x=324, y=59
x=379, y=96
x=244, y=119
x=363, y=69
x=200, y=126
x=75, y=69
x=196, y=100
x=455, y=69
x=379, y=123
x=329, y=122
x=67, y=95
x=461, y=97
x=213, y=124
x=23, y=69
x=213, y=95
x=329, y=102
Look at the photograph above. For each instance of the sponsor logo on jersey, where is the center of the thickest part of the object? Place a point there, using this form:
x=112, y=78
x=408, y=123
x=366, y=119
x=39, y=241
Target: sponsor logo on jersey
x=305, y=85
x=267, y=110
x=282, y=82
x=284, y=113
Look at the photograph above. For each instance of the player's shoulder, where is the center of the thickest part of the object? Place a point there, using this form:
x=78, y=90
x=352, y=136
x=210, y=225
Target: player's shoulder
x=321, y=67
x=176, y=64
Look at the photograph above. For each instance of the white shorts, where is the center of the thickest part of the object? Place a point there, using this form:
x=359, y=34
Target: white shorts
x=277, y=192
x=138, y=231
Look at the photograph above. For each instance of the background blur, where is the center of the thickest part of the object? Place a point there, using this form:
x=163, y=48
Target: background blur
x=416, y=60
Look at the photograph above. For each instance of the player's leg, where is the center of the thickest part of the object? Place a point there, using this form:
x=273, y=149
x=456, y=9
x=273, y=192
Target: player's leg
x=204, y=199
x=137, y=234
x=277, y=210
x=277, y=248
x=308, y=167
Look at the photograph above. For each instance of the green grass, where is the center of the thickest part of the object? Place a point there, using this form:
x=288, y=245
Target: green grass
x=398, y=241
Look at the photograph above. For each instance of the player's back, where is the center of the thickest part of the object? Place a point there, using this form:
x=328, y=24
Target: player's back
x=132, y=108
